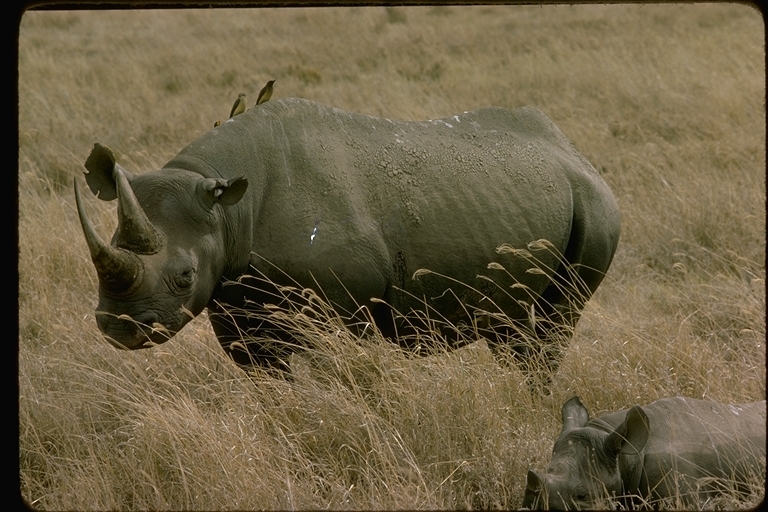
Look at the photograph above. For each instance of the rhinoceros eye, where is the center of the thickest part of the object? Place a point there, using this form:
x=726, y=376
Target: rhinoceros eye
x=581, y=496
x=185, y=278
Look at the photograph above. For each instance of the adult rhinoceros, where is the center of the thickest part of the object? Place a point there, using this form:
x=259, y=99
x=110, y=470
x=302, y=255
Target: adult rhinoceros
x=351, y=205
x=680, y=449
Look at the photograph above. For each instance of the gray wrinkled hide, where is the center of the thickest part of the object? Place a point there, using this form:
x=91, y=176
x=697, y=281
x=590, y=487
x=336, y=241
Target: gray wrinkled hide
x=356, y=204
x=680, y=448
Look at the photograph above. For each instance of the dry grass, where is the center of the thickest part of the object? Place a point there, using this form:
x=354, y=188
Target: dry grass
x=667, y=101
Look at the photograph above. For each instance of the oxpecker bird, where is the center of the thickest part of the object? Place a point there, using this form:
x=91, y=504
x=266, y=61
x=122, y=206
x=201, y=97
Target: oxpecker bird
x=265, y=93
x=239, y=106
x=217, y=123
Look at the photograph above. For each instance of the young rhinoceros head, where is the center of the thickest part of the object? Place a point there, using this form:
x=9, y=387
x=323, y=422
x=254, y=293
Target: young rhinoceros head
x=585, y=472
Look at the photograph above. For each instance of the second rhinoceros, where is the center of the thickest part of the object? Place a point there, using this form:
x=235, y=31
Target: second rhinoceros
x=297, y=193
x=682, y=450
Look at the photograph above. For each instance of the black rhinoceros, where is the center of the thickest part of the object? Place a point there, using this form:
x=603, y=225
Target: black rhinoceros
x=297, y=193
x=680, y=449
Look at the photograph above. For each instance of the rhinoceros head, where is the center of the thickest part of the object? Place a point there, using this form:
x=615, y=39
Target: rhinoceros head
x=167, y=255
x=585, y=471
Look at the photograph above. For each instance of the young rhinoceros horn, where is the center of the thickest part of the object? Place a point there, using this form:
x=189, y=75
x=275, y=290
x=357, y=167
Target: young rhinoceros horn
x=118, y=269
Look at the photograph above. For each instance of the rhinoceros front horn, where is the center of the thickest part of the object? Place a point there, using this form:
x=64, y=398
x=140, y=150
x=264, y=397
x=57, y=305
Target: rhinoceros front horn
x=118, y=269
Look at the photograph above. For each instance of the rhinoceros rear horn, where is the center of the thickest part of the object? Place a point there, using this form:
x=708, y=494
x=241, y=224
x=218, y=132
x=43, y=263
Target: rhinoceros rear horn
x=118, y=269
x=107, y=180
x=135, y=232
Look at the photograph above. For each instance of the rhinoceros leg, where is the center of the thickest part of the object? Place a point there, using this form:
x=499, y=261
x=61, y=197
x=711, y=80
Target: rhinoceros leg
x=247, y=351
x=535, y=353
x=541, y=341
x=537, y=344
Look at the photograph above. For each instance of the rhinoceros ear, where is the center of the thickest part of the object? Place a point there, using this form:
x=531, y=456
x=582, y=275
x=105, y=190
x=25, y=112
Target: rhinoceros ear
x=575, y=415
x=219, y=190
x=629, y=437
x=101, y=168
x=100, y=165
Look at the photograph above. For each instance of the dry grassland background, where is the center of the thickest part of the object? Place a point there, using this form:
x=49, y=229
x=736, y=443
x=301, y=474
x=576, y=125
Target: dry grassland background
x=666, y=101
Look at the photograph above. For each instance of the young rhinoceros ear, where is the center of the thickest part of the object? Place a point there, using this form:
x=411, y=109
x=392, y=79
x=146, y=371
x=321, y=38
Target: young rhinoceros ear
x=101, y=166
x=630, y=437
x=574, y=414
x=219, y=190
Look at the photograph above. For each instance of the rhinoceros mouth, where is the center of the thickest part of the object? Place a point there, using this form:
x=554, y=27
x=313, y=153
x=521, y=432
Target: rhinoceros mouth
x=146, y=344
x=130, y=333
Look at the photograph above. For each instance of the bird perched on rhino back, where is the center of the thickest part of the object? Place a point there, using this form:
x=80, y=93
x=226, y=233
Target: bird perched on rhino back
x=239, y=106
x=265, y=93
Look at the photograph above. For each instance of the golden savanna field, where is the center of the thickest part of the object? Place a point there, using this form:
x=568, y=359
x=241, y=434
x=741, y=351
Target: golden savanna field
x=666, y=101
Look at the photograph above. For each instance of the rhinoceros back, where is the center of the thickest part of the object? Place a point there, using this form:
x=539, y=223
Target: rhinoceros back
x=698, y=446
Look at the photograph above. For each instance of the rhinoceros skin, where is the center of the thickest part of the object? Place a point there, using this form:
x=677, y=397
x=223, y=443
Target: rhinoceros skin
x=297, y=193
x=681, y=449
